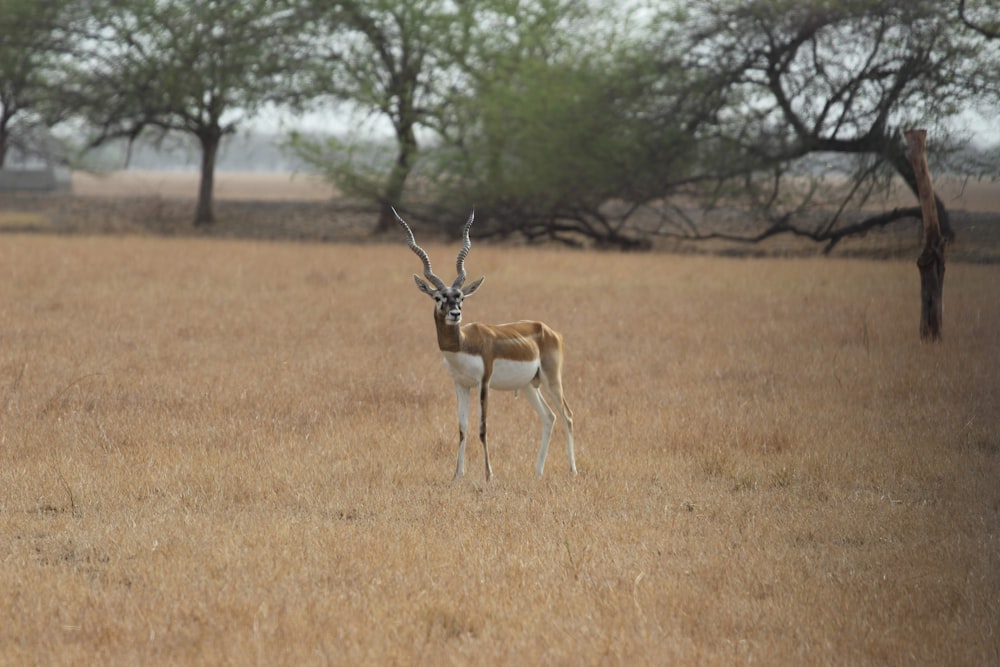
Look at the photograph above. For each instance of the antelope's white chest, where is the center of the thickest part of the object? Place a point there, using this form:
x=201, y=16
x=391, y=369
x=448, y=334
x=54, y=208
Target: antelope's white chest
x=467, y=370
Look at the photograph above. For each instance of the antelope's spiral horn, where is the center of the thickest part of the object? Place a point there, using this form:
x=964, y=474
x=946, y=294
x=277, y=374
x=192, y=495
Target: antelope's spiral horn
x=464, y=252
x=412, y=242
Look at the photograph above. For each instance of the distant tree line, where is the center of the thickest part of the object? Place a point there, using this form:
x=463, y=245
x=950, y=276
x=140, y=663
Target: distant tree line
x=585, y=122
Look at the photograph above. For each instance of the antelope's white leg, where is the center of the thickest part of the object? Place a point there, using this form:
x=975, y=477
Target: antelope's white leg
x=548, y=418
x=567, y=416
x=554, y=389
x=463, y=428
x=568, y=421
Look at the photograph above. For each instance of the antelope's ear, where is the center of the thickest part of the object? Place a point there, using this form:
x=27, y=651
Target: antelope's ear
x=473, y=286
x=422, y=286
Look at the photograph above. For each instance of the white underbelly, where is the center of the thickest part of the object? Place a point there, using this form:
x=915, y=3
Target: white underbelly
x=467, y=369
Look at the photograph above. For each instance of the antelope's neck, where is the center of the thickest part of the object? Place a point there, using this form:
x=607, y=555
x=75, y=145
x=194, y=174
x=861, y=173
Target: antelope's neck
x=449, y=335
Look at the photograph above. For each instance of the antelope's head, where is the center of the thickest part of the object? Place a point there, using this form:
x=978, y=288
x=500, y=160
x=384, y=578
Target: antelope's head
x=447, y=300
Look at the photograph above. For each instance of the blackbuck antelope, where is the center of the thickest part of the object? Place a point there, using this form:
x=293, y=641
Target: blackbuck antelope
x=523, y=355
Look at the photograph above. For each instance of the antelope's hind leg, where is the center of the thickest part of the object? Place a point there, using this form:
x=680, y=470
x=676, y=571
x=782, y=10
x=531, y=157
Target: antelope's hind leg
x=567, y=416
x=534, y=396
x=555, y=391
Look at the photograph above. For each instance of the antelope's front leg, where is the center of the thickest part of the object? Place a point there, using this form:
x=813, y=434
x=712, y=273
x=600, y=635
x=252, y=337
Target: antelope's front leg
x=463, y=428
x=484, y=390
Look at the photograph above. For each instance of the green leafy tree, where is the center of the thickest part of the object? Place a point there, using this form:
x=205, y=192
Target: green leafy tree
x=508, y=105
x=568, y=131
x=396, y=60
x=416, y=65
x=33, y=37
x=548, y=148
x=199, y=69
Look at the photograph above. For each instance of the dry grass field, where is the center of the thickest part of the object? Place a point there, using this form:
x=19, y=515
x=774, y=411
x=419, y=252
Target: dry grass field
x=236, y=452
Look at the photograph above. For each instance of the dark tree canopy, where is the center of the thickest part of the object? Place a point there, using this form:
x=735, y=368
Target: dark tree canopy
x=396, y=59
x=812, y=79
x=34, y=36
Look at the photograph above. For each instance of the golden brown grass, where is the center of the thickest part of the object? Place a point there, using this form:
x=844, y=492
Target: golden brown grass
x=225, y=452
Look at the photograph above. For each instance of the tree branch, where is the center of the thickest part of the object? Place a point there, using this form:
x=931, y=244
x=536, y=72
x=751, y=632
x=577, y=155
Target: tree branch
x=783, y=225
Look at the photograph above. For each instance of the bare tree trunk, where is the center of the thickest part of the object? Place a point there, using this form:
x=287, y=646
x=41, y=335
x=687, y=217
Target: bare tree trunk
x=204, y=215
x=397, y=179
x=4, y=138
x=900, y=159
x=931, y=260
